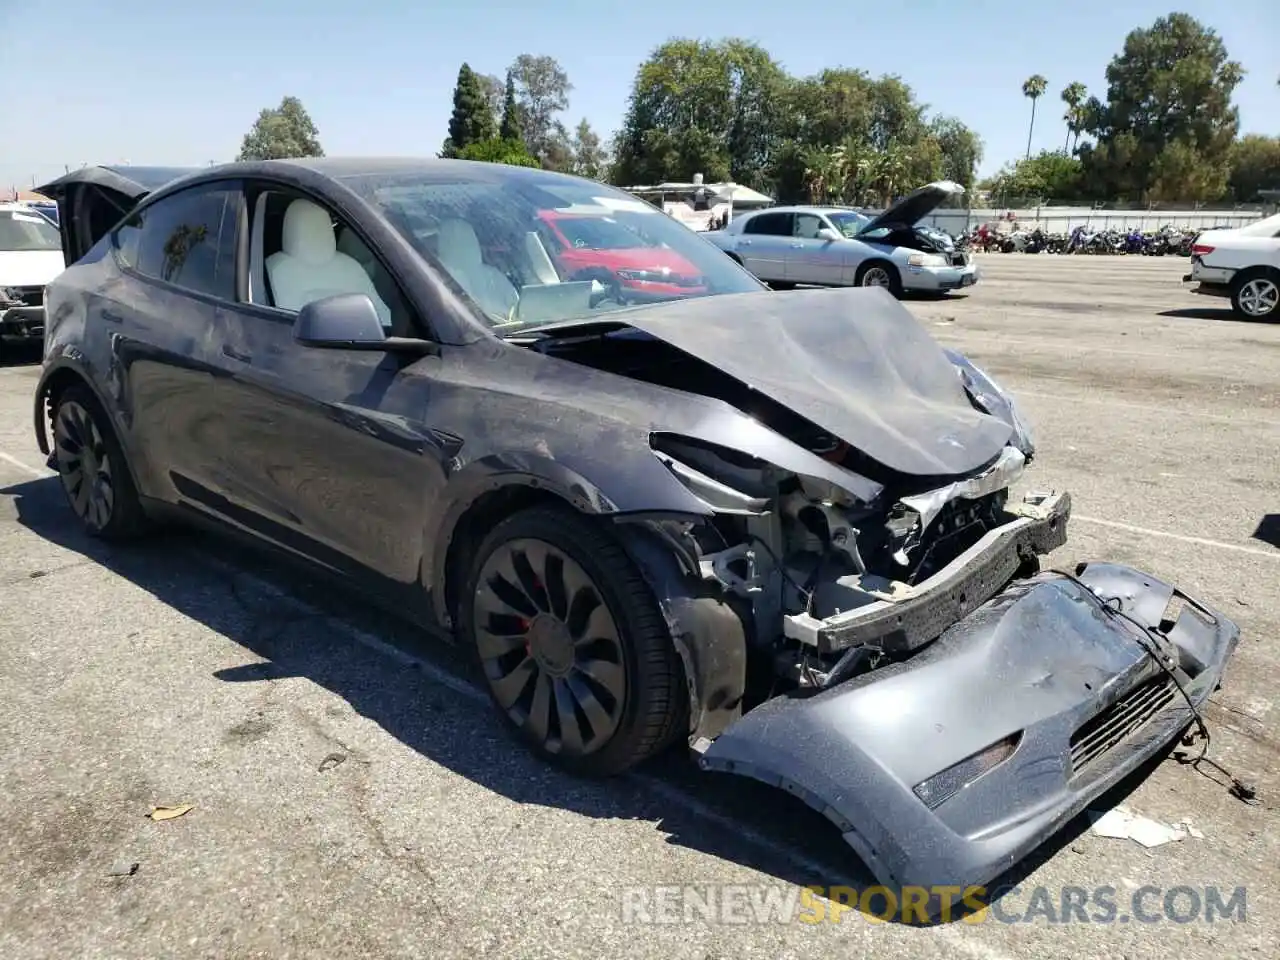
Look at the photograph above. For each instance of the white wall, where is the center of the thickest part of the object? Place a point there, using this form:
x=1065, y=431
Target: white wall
x=1066, y=219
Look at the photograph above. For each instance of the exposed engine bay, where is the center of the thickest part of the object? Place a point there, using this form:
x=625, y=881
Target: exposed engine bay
x=822, y=570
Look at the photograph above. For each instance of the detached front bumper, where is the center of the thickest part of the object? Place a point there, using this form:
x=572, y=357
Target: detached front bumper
x=1009, y=724
x=940, y=279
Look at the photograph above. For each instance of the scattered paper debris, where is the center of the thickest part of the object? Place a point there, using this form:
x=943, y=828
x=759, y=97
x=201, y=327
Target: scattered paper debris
x=123, y=868
x=1121, y=823
x=171, y=813
x=331, y=761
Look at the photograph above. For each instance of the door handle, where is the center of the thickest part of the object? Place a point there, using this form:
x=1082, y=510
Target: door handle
x=110, y=317
x=228, y=351
x=797, y=246
x=745, y=243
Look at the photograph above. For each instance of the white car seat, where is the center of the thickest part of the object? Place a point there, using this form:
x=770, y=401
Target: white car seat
x=458, y=249
x=310, y=267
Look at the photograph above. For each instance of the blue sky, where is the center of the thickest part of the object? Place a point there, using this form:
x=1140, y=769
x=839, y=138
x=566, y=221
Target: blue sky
x=165, y=82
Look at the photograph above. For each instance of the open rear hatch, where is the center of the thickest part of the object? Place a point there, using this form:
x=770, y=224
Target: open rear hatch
x=92, y=200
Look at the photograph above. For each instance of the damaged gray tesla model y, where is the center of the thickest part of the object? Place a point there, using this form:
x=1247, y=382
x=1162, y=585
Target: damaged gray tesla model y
x=657, y=502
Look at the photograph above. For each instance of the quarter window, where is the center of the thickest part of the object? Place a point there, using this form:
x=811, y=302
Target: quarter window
x=188, y=240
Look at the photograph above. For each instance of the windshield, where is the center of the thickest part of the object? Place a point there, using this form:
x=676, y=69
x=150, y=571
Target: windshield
x=519, y=243
x=596, y=233
x=22, y=231
x=848, y=222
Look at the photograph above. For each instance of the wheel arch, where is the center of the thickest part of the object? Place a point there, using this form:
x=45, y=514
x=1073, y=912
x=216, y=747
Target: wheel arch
x=709, y=633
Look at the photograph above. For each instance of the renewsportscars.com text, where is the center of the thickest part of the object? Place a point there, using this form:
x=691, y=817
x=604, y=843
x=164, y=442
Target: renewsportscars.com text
x=765, y=903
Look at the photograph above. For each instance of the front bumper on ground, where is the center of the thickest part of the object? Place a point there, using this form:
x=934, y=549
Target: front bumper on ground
x=939, y=279
x=1066, y=685
x=21, y=322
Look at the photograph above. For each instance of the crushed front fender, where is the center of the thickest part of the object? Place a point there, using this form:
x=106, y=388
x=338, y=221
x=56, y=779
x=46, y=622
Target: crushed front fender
x=948, y=768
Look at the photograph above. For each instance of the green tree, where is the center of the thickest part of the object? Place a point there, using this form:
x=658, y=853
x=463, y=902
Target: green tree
x=1074, y=95
x=510, y=127
x=498, y=150
x=1033, y=88
x=1255, y=166
x=472, y=120
x=282, y=132
x=589, y=158
x=961, y=150
x=700, y=107
x=494, y=91
x=1049, y=175
x=1167, y=127
x=542, y=91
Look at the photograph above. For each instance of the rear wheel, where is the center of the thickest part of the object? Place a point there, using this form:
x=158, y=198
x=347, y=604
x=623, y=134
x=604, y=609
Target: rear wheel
x=92, y=468
x=1255, y=295
x=879, y=273
x=572, y=645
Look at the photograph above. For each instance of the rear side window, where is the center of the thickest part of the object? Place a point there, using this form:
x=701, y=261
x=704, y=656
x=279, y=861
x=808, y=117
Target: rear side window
x=771, y=224
x=188, y=240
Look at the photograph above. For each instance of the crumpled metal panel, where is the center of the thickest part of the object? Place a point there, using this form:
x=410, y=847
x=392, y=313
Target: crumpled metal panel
x=1040, y=660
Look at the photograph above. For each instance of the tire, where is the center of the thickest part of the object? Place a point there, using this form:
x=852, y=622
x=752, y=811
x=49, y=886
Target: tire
x=108, y=508
x=879, y=273
x=1255, y=295
x=524, y=612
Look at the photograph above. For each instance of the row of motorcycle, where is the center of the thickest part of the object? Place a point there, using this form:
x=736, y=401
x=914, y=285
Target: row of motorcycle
x=1166, y=241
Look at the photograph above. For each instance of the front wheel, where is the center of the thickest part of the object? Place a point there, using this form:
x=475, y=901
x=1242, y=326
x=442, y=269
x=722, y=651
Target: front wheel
x=92, y=468
x=1256, y=296
x=571, y=642
x=879, y=274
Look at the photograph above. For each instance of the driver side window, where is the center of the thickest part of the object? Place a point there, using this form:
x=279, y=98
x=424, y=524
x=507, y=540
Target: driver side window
x=807, y=226
x=300, y=252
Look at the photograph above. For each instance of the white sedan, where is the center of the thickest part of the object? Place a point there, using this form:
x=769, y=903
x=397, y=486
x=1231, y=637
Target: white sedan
x=1242, y=263
x=837, y=246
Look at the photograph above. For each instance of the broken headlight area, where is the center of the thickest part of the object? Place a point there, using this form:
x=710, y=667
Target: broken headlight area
x=838, y=586
x=989, y=397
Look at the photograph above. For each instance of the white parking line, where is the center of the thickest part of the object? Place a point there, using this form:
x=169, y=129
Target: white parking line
x=26, y=467
x=1182, y=537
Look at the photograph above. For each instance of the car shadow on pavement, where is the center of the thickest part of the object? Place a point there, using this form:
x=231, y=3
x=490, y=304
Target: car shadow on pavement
x=1209, y=313
x=297, y=626
x=1268, y=530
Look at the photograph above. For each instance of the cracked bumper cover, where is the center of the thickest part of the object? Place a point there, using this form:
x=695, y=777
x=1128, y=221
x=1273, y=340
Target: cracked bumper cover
x=1041, y=662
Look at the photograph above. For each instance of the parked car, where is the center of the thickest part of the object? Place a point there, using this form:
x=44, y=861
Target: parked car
x=602, y=248
x=779, y=529
x=837, y=246
x=1242, y=263
x=30, y=256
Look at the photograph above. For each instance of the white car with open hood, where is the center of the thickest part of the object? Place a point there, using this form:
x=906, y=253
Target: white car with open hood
x=838, y=247
x=1242, y=263
x=30, y=257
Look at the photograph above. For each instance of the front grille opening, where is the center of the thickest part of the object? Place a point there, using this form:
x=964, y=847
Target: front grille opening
x=1121, y=720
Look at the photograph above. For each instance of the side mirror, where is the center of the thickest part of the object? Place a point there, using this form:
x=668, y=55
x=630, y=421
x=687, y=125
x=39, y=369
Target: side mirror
x=349, y=321
x=827, y=233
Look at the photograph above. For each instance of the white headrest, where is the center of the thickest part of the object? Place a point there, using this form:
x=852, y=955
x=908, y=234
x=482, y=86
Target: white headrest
x=456, y=243
x=308, y=233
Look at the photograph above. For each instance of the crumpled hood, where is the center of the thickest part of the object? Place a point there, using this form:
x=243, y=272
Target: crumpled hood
x=855, y=363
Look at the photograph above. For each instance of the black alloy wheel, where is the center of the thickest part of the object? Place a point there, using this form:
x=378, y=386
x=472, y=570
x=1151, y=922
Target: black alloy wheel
x=91, y=466
x=573, y=648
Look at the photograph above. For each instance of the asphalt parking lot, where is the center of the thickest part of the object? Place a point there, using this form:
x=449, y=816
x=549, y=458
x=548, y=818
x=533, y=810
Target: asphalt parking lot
x=353, y=796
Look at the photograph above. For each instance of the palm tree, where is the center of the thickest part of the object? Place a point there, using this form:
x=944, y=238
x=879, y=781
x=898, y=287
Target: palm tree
x=1033, y=88
x=1073, y=96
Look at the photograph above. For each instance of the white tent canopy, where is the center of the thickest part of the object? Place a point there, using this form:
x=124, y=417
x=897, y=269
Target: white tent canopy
x=735, y=193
